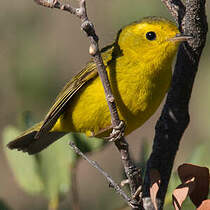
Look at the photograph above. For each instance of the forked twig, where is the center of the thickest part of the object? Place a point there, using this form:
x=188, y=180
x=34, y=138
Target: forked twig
x=94, y=51
x=111, y=182
x=130, y=169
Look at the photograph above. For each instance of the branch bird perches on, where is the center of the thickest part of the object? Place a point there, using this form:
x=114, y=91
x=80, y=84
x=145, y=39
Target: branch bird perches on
x=174, y=119
x=132, y=173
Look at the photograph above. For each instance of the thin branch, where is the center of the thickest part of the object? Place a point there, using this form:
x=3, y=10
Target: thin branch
x=132, y=173
x=176, y=8
x=130, y=169
x=57, y=5
x=175, y=114
x=111, y=182
x=94, y=51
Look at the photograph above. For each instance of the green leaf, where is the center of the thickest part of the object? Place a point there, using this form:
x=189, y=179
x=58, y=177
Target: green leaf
x=174, y=182
x=55, y=163
x=49, y=171
x=201, y=155
x=25, y=167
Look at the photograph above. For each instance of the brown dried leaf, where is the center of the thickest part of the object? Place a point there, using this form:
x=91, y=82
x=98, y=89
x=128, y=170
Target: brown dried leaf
x=154, y=187
x=205, y=205
x=201, y=174
x=181, y=192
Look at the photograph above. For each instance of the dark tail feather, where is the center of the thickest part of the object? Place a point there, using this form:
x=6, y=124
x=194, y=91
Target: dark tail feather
x=28, y=143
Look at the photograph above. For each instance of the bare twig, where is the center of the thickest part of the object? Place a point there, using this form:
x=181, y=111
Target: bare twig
x=175, y=114
x=130, y=169
x=57, y=5
x=176, y=8
x=111, y=182
x=94, y=51
x=132, y=173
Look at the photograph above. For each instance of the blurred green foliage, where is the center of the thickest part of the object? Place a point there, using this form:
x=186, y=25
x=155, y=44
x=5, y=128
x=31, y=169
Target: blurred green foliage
x=25, y=167
x=48, y=172
x=3, y=206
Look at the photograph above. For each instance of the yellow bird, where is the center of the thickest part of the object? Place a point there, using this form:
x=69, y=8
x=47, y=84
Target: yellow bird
x=139, y=67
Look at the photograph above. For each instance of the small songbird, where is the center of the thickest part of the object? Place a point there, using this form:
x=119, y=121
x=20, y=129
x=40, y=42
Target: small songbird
x=139, y=67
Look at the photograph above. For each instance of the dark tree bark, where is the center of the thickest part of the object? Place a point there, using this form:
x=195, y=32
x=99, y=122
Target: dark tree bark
x=175, y=114
x=131, y=171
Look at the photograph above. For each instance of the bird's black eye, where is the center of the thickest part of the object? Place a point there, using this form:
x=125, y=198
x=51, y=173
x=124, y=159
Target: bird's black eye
x=151, y=35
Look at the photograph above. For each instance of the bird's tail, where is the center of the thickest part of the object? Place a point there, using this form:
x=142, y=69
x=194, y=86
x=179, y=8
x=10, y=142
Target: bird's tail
x=28, y=143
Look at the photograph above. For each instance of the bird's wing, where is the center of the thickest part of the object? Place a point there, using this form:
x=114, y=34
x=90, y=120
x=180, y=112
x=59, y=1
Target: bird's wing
x=71, y=88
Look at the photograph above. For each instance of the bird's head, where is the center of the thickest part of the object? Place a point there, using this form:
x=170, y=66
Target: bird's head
x=152, y=39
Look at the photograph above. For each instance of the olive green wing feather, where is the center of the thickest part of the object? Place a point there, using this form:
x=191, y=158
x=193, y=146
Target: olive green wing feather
x=71, y=88
x=38, y=137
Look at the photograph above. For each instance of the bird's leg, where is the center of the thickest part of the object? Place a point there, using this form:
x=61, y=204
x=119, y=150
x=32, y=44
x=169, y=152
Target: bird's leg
x=117, y=132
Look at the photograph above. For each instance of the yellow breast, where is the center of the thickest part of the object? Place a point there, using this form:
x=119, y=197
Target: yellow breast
x=139, y=70
x=138, y=93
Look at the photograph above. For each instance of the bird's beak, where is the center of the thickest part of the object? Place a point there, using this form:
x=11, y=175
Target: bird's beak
x=180, y=38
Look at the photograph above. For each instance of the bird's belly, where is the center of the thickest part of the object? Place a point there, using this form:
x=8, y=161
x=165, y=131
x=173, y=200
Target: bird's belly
x=88, y=111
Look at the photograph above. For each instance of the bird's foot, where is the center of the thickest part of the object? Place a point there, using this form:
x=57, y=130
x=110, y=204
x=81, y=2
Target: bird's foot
x=117, y=132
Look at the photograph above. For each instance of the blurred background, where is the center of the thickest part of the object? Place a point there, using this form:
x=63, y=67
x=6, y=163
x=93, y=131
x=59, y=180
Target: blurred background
x=40, y=50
